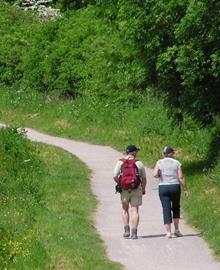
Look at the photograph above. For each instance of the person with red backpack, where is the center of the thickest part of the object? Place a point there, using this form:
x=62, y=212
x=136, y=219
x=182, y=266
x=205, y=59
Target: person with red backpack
x=130, y=176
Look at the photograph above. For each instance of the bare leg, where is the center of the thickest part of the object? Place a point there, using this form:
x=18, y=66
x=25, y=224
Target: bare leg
x=134, y=216
x=176, y=223
x=168, y=230
x=168, y=227
x=125, y=217
x=134, y=221
x=125, y=214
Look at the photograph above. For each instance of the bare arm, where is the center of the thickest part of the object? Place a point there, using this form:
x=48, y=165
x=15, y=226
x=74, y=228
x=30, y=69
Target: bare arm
x=144, y=183
x=115, y=177
x=143, y=180
x=182, y=182
x=156, y=171
x=117, y=171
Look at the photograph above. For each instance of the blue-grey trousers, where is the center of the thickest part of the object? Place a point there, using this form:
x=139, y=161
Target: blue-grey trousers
x=170, y=200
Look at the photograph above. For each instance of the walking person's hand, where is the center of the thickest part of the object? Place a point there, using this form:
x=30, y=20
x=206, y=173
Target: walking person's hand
x=186, y=194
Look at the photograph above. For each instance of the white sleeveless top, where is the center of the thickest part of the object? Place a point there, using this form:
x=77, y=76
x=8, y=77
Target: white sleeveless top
x=168, y=171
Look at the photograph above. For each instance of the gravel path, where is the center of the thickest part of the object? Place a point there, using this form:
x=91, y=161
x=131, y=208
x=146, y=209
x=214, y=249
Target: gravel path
x=152, y=250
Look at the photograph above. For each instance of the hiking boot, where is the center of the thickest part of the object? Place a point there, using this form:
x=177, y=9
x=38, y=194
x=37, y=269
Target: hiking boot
x=169, y=235
x=177, y=233
x=127, y=231
x=134, y=234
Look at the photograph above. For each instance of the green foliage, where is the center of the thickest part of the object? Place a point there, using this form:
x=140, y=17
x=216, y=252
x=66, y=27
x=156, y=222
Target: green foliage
x=105, y=57
x=194, y=62
x=70, y=4
x=178, y=45
x=80, y=55
x=115, y=48
x=10, y=1
x=15, y=30
x=151, y=25
x=21, y=193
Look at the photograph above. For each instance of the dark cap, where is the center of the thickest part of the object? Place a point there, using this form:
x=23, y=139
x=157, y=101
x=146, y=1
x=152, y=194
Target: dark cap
x=168, y=150
x=131, y=148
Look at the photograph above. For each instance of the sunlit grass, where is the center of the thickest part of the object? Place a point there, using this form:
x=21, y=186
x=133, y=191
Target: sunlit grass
x=147, y=126
x=66, y=223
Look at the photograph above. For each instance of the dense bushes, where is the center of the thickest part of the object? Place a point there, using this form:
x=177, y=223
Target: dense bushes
x=114, y=48
x=16, y=28
x=194, y=61
x=69, y=4
x=82, y=55
x=21, y=192
x=79, y=54
x=179, y=43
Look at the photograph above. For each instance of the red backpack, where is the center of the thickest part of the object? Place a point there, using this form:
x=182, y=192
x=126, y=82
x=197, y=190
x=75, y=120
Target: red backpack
x=129, y=176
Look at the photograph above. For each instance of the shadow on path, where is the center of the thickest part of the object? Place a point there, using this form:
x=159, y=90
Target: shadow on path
x=163, y=235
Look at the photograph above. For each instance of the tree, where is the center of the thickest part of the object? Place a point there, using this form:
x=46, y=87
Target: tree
x=194, y=62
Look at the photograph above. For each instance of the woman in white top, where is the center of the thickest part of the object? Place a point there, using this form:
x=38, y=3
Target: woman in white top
x=170, y=175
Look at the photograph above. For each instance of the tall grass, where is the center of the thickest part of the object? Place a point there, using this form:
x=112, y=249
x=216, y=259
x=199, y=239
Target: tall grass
x=21, y=194
x=46, y=209
x=65, y=222
x=146, y=125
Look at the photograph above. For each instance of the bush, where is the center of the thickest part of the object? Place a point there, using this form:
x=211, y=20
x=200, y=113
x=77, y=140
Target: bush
x=81, y=55
x=15, y=31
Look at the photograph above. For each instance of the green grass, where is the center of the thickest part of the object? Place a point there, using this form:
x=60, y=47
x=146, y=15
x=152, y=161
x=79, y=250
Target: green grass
x=106, y=123
x=146, y=125
x=21, y=194
x=202, y=207
x=65, y=221
x=84, y=56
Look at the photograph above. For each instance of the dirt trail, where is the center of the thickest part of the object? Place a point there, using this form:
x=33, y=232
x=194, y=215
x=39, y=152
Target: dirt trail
x=152, y=251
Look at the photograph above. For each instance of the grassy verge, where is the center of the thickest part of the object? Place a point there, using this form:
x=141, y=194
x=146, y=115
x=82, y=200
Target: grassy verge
x=21, y=195
x=202, y=208
x=46, y=210
x=65, y=223
x=146, y=125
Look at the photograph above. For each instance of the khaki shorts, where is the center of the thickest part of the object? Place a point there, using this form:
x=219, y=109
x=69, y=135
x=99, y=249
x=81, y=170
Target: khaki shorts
x=134, y=197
